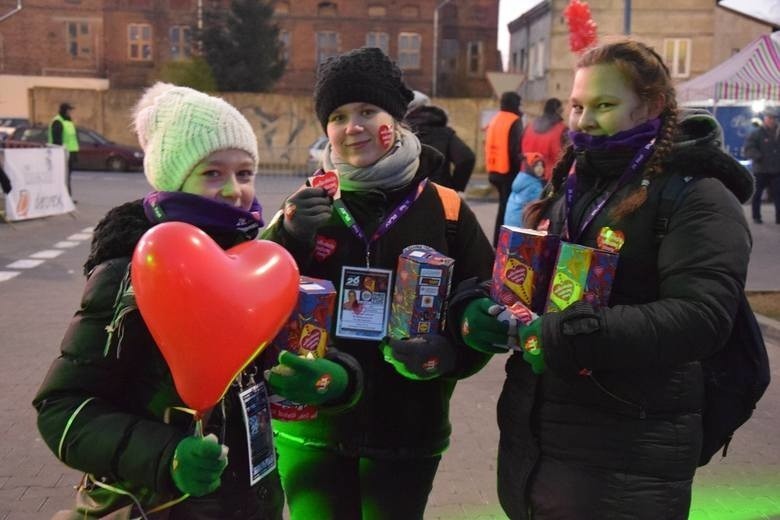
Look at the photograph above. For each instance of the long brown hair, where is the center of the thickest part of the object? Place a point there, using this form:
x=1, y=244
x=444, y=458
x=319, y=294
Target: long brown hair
x=645, y=72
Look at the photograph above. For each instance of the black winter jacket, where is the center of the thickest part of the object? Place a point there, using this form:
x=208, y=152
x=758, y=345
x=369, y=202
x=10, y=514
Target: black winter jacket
x=763, y=146
x=632, y=428
x=396, y=417
x=116, y=388
x=430, y=125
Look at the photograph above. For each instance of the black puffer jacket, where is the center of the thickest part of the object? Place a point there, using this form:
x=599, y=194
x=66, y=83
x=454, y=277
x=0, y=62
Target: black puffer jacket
x=633, y=428
x=430, y=125
x=396, y=417
x=102, y=404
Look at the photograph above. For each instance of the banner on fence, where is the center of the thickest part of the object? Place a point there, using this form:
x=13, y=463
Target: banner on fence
x=37, y=178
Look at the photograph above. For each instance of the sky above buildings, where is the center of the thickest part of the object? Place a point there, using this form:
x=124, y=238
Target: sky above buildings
x=508, y=10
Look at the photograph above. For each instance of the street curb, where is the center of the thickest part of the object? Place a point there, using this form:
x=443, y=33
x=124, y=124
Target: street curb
x=769, y=328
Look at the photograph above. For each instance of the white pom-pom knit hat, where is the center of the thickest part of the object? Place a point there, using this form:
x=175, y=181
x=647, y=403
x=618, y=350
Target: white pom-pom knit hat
x=178, y=127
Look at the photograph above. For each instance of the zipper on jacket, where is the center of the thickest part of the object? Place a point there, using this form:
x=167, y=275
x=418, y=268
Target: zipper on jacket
x=642, y=412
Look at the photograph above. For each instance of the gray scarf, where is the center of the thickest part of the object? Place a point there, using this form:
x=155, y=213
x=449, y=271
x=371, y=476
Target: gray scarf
x=393, y=170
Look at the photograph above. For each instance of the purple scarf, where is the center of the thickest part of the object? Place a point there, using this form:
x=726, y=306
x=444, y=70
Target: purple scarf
x=632, y=139
x=204, y=213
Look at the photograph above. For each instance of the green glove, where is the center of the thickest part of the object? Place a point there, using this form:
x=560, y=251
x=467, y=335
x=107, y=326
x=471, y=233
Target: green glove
x=198, y=463
x=419, y=358
x=307, y=381
x=481, y=330
x=530, y=338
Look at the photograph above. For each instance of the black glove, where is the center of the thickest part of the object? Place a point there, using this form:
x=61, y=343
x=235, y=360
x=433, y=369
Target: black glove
x=419, y=358
x=305, y=211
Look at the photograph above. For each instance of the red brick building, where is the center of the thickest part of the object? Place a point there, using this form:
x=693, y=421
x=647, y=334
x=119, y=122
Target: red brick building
x=128, y=41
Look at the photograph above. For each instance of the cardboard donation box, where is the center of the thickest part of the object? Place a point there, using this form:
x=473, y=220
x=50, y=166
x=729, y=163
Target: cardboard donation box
x=523, y=268
x=581, y=273
x=422, y=285
x=306, y=334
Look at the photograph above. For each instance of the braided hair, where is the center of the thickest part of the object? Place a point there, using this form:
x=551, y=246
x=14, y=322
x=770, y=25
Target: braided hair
x=645, y=72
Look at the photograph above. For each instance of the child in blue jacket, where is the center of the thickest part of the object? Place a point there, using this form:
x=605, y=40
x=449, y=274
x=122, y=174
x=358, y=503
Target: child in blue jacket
x=527, y=187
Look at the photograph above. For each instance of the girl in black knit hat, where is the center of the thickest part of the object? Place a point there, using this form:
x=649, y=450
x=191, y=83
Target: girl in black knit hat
x=377, y=460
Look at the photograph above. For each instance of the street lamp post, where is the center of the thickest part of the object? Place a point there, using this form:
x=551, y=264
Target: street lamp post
x=436, y=46
x=627, y=17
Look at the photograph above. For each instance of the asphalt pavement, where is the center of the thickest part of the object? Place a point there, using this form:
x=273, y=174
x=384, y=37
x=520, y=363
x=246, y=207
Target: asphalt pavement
x=36, y=304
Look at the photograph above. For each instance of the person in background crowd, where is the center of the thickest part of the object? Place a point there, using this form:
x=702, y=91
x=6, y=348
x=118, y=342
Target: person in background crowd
x=62, y=131
x=546, y=135
x=601, y=411
x=378, y=460
x=108, y=405
x=763, y=147
x=429, y=123
x=525, y=189
x=503, y=157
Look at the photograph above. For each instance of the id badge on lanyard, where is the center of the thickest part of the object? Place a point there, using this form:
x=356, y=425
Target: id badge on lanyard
x=260, y=439
x=364, y=303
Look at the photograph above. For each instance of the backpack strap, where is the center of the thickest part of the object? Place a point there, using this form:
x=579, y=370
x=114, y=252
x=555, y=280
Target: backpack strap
x=671, y=198
x=451, y=202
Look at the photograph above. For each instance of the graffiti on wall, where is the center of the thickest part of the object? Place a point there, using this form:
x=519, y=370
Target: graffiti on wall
x=278, y=135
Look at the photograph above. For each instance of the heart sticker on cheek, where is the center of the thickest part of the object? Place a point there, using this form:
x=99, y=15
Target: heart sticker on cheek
x=385, y=136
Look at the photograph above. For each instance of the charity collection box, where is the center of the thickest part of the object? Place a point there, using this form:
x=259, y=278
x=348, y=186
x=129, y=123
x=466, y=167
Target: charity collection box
x=306, y=334
x=422, y=285
x=581, y=273
x=523, y=268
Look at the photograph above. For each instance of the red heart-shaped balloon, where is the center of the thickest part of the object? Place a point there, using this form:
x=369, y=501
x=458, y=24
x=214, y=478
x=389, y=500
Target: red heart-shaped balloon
x=210, y=311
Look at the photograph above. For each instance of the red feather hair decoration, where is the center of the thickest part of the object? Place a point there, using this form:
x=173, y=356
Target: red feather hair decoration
x=582, y=28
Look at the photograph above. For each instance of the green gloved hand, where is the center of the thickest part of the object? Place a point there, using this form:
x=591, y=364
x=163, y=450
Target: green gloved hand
x=307, y=381
x=197, y=465
x=530, y=338
x=481, y=330
x=419, y=358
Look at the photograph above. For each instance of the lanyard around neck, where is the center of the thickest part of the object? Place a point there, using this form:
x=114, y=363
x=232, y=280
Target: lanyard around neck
x=633, y=168
x=391, y=219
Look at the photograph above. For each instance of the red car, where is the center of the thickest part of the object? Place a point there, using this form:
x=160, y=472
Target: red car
x=95, y=151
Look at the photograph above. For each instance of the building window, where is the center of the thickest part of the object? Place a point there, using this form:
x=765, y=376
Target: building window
x=540, y=59
x=677, y=55
x=378, y=39
x=139, y=42
x=536, y=60
x=181, y=42
x=409, y=50
x=448, y=61
x=78, y=39
x=522, y=61
x=410, y=11
x=282, y=8
x=377, y=11
x=327, y=45
x=284, y=39
x=327, y=9
x=474, y=58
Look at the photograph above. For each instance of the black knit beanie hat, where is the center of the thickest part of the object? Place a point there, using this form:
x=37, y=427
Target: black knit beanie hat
x=364, y=75
x=510, y=102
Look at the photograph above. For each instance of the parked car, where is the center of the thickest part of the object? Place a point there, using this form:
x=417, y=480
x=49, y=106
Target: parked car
x=315, y=153
x=9, y=124
x=95, y=151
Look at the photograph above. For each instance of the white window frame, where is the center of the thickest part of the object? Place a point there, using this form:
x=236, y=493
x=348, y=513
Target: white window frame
x=140, y=42
x=378, y=39
x=672, y=54
x=409, y=51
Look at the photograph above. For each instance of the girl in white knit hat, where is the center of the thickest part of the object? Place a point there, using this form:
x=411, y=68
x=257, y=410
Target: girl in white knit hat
x=107, y=406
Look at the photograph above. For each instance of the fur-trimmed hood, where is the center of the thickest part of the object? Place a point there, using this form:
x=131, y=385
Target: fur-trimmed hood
x=117, y=233
x=698, y=147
